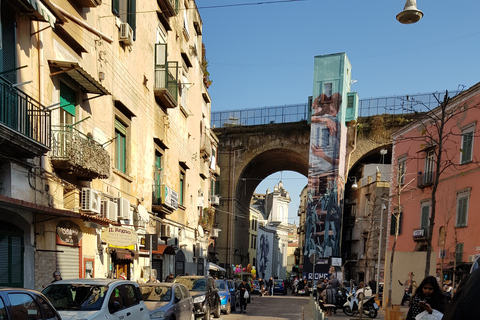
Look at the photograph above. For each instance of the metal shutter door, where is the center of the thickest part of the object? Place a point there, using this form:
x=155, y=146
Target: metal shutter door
x=68, y=262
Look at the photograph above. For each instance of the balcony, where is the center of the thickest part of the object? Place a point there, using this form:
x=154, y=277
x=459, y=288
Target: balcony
x=74, y=152
x=25, y=127
x=420, y=234
x=425, y=179
x=166, y=78
x=169, y=7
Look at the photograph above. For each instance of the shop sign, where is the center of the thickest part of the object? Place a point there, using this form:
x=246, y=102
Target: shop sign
x=119, y=237
x=68, y=233
x=170, y=197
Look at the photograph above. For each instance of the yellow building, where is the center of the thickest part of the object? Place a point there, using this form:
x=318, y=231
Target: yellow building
x=106, y=118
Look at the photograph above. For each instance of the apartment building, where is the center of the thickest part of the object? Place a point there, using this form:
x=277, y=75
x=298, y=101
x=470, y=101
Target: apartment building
x=108, y=161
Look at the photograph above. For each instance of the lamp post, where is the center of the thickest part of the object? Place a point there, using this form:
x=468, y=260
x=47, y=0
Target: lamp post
x=380, y=247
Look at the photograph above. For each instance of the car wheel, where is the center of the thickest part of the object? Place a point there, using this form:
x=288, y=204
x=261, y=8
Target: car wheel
x=229, y=307
x=217, y=313
x=206, y=316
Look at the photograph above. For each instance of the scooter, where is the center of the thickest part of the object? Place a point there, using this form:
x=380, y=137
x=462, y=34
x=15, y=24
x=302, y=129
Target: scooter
x=352, y=305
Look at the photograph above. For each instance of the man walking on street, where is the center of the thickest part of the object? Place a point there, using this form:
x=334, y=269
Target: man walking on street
x=243, y=287
x=270, y=286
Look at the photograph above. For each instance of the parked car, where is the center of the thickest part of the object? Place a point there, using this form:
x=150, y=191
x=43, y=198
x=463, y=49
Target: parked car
x=279, y=286
x=93, y=299
x=234, y=295
x=204, y=293
x=168, y=301
x=225, y=296
x=16, y=303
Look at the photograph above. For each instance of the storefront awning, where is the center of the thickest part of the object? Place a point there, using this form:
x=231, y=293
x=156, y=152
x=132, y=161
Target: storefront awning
x=214, y=267
x=43, y=12
x=123, y=254
x=72, y=69
x=164, y=249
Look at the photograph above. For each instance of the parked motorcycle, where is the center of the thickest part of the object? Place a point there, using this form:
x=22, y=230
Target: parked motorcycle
x=354, y=302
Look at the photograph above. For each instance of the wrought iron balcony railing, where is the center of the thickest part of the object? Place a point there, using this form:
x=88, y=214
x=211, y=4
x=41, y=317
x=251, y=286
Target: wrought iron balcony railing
x=74, y=151
x=166, y=85
x=25, y=116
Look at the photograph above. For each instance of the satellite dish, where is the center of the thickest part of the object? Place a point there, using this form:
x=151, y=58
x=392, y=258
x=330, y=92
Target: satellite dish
x=143, y=213
x=200, y=231
x=99, y=136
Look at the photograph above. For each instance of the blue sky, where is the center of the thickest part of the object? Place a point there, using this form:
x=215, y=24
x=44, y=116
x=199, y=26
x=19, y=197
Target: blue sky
x=262, y=54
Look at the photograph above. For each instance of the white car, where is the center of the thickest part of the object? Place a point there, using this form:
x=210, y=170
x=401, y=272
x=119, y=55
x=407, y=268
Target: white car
x=95, y=299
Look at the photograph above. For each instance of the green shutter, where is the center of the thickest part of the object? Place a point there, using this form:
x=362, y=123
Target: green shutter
x=67, y=98
x=116, y=7
x=425, y=216
x=467, y=146
x=462, y=212
x=131, y=19
x=120, y=146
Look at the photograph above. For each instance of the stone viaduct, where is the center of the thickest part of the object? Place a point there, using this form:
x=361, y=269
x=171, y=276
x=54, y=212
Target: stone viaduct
x=249, y=154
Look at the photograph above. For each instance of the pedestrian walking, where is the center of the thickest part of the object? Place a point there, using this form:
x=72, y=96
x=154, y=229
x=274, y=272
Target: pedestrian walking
x=244, y=294
x=428, y=297
x=270, y=286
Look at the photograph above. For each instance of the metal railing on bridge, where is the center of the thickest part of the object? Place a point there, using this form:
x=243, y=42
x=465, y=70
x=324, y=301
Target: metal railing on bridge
x=393, y=105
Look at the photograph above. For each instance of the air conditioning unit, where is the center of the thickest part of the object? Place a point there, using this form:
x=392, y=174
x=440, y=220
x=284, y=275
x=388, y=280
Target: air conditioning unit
x=215, y=200
x=472, y=258
x=200, y=201
x=91, y=200
x=123, y=212
x=109, y=210
x=126, y=34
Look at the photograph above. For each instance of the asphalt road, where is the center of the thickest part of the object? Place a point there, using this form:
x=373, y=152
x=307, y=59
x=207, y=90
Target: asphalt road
x=284, y=307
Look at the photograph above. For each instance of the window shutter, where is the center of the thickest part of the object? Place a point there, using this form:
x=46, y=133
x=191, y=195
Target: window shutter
x=132, y=16
x=462, y=212
x=467, y=146
x=67, y=99
x=116, y=7
x=425, y=216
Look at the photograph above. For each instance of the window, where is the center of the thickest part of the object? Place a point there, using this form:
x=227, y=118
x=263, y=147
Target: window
x=327, y=89
x=125, y=10
x=462, y=209
x=23, y=306
x=67, y=103
x=181, y=195
x=120, y=146
x=402, y=165
x=429, y=166
x=467, y=144
x=459, y=252
x=425, y=215
x=393, y=225
x=157, y=181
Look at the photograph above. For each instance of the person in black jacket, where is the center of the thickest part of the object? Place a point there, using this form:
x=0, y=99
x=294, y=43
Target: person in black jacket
x=270, y=286
x=243, y=287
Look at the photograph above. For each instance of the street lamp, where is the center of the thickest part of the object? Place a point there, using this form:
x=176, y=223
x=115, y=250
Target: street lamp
x=410, y=13
x=380, y=247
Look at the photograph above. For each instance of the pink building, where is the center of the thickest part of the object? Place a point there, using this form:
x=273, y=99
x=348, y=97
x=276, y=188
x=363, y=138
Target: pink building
x=456, y=228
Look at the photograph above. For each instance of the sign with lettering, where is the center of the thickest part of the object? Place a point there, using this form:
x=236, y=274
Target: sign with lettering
x=170, y=197
x=68, y=233
x=119, y=237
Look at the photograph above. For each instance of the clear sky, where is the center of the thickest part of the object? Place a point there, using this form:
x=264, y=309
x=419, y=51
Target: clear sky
x=261, y=53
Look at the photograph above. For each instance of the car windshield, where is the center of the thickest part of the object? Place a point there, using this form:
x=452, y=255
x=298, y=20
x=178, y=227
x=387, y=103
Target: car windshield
x=76, y=296
x=220, y=285
x=156, y=293
x=193, y=284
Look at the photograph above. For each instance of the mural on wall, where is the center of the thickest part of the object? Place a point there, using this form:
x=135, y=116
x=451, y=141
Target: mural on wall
x=264, y=254
x=324, y=190
x=326, y=164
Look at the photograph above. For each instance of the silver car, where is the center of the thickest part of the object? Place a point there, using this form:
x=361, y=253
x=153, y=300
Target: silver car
x=97, y=299
x=168, y=301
